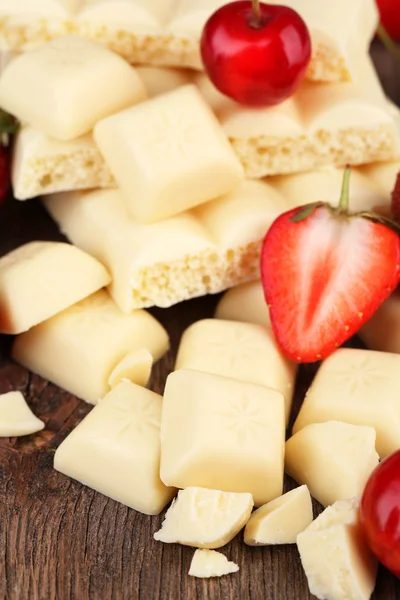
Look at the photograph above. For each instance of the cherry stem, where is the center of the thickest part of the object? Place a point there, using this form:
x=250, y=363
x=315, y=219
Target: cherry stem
x=344, y=195
x=256, y=13
x=387, y=41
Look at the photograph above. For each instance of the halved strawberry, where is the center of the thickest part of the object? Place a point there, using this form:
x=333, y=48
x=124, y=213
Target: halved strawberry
x=396, y=201
x=325, y=273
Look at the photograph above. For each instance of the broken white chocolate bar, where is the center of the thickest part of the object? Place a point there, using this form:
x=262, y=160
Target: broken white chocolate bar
x=281, y=520
x=16, y=418
x=333, y=459
x=40, y=279
x=267, y=141
x=205, y=518
x=81, y=347
x=209, y=563
x=116, y=449
x=135, y=367
x=168, y=154
x=360, y=387
x=168, y=32
x=66, y=86
x=244, y=351
x=205, y=250
x=321, y=125
x=222, y=433
x=382, y=331
x=245, y=303
x=335, y=557
x=43, y=165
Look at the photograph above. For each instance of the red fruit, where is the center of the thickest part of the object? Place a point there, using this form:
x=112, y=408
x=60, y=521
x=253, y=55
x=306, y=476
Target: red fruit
x=390, y=16
x=396, y=201
x=258, y=60
x=380, y=512
x=325, y=273
x=4, y=173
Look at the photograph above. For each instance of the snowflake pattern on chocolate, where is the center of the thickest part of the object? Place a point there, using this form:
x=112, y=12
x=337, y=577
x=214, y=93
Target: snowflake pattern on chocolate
x=244, y=420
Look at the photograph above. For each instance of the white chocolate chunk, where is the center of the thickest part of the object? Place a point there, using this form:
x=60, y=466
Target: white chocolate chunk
x=43, y=165
x=383, y=175
x=116, y=449
x=79, y=348
x=205, y=518
x=209, y=563
x=382, y=331
x=65, y=86
x=223, y=434
x=245, y=303
x=201, y=251
x=135, y=367
x=333, y=459
x=168, y=154
x=360, y=387
x=16, y=418
x=40, y=279
x=159, y=81
x=335, y=557
x=244, y=351
x=281, y=520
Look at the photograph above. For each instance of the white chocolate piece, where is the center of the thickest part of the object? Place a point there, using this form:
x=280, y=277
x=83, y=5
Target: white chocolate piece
x=168, y=155
x=202, y=251
x=382, y=175
x=244, y=303
x=16, y=418
x=135, y=367
x=281, y=520
x=40, y=279
x=79, y=348
x=335, y=557
x=244, y=351
x=158, y=80
x=333, y=459
x=116, y=449
x=66, y=86
x=319, y=126
x=222, y=433
x=205, y=518
x=382, y=331
x=43, y=165
x=209, y=563
x=360, y=387
x=168, y=32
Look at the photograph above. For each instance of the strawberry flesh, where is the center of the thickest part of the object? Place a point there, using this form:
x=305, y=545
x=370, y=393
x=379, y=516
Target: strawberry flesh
x=324, y=277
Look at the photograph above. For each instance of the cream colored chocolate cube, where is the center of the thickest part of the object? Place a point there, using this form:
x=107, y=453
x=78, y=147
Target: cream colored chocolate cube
x=116, y=449
x=209, y=563
x=335, y=557
x=333, y=459
x=168, y=154
x=244, y=351
x=281, y=520
x=16, y=418
x=382, y=331
x=40, y=279
x=79, y=348
x=245, y=303
x=205, y=518
x=360, y=387
x=64, y=87
x=223, y=434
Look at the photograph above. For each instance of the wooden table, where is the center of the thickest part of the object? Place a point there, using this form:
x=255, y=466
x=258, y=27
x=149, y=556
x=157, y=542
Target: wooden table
x=61, y=540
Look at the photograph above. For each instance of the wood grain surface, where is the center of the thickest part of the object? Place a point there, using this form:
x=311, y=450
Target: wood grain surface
x=61, y=540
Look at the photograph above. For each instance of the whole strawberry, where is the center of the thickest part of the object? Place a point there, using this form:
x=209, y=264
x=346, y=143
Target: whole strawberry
x=324, y=273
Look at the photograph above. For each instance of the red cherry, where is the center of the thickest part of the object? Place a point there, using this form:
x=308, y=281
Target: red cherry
x=255, y=53
x=380, y=512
